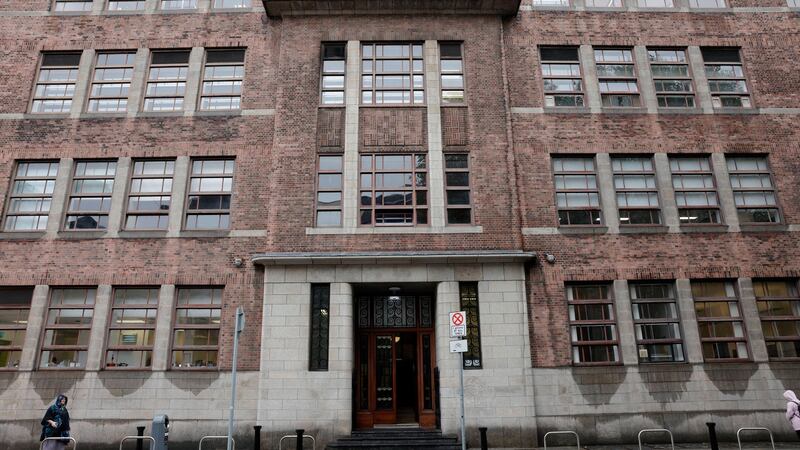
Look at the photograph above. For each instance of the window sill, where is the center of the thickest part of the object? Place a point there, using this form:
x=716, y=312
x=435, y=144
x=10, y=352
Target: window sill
x=45, y=116
x=155, y=114
x=453, y=105
x=204, y=233
x=582, y=230
x=227, y=112
x=453, y=229
x=232, y=10
x=763, y=228
x=416, y=105
x=96, y=115
x=89, y=234
x=642, y=229
x=178, y=11
x=566, y=110
x=124, y=12
x=142, y=234
x=680, y=110
x=736, y=111
x=621, y=110
x=699, y=228
x=24, y=235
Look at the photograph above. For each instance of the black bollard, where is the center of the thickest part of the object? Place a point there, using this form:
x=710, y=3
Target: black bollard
x=712, y=435
x=139, y=442
x=299, y=439
x=256, y=437
x=484, y=441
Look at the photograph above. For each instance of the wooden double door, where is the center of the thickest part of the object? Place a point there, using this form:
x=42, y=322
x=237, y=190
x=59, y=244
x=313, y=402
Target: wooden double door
x=395, y=360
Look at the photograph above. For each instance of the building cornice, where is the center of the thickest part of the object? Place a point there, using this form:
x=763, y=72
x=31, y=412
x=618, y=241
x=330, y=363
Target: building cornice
x=371, y=258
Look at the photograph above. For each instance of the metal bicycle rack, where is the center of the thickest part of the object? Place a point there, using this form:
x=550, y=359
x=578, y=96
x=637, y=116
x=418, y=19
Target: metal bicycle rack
x=577, y=438
x=739, y=439
x=138, y=438
x=656, y=430
x=72, y=439
x=200, y=447
x=294, y=436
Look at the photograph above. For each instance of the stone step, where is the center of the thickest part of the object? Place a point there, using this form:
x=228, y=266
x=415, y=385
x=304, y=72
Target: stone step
x=395, y=439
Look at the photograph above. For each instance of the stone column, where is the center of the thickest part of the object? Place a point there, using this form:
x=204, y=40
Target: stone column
x=178, y=199
x=693, y=349
x=435, y=156
x=36, y=318
x=204, y=5
x=352, y=101
x=700, y=81
x=138, y=81
x=60, y=195
x=166, y=309
x=646, y=87
x=752, y=323
x=625, y=328
x=190, y=99
x=592, y=85
x=82, y=83
x=727, y=202
x=447, y=300
x=118, y=196
x=669, y=208
x=608, y=195
x=102, y=303
x=152, y=6
x=98, y=6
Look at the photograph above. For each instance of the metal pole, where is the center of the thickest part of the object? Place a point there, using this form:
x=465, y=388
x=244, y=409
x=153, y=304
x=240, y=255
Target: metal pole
x=139, y=442
x=484, y=440
x=712, y=435
x=237, y=330
x=257, y=437
x=299, y=445
x=463, y=418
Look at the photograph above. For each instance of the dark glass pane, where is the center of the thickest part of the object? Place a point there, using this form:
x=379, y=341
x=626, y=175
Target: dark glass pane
x=457, y=179
x=459, y=216
x=384, y=392
x=171, y=57
x=363, y=372
x=225, y=56
x=61, y=59
x=451, y=50
x=716, y=54
x=427, y=380
x=334, y=51
x=559, y=54
x=320, y=311
x=456, y=161
x=469, y=303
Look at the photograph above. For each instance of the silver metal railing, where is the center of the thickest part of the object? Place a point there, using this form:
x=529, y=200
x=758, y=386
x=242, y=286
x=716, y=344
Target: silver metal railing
x=577, y=438
x=138, y=438
x=209, y=438
x=656, y=430
x=294, y=436
x=739, y=439
x=71, y=439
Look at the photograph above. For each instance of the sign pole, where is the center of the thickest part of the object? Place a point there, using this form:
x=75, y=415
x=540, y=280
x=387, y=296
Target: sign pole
x=463, y=416
x=458, y=330
x=238, y=327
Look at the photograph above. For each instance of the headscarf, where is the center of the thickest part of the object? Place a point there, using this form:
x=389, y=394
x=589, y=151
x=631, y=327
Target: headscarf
x=791, y=397
x=59, y=398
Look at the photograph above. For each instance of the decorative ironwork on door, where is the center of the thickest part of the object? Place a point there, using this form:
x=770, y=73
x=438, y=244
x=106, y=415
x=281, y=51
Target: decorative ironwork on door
x=395, y=312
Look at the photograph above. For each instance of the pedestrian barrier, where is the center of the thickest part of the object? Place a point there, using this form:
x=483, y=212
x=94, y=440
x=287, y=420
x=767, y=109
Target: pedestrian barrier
x=577, y=438
x=656, y=430
x=72, y=439
x=739, y=439
x=305, y=436
x=138, y=438
x=200, y=447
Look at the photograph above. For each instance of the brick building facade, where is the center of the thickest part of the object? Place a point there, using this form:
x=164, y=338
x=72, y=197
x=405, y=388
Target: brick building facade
x=609, y=187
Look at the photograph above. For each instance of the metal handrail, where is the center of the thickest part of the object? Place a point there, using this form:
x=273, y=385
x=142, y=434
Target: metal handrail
x=200, y=446
x=656, y=430
x=74, y=442
x=305, y=436
x=138, y=438
x=739, y=439
x=577, y=438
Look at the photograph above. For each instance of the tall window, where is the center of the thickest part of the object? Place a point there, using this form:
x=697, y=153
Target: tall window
x=468, y=297
x=707, y=4
x=779, y=308
x=178, y=4
x=210, y=188
x=150, y=195
x=111, y=82
x=695, y=191
x=452, y=68
x=726, y=78
x=655, y=4
x=637, y=191
x=320, y=320
x=753, y=189
x=224, y=4
x=90, y=198
x=166, y=83
x=457, y=189
x=55, y=85
x=617, y=77
x=394, y=190
x=334, y=56
x=719, y=318
x=329, y=191
x=125, y=5
x=73, y=5
x=655, y=316
x=593, y=324
x=222, y=80
x=392, y=74
x=15, y=304
x=561, y=72
x=195, y=340
x=671, y=77
x=31, y=195
x=69, y=322
x=132, y=328
x=577, y=197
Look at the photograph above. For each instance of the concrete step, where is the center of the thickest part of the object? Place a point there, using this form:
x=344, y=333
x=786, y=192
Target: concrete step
x=395, y=439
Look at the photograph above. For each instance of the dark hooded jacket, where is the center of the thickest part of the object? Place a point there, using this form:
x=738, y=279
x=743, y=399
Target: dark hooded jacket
x=60, y=416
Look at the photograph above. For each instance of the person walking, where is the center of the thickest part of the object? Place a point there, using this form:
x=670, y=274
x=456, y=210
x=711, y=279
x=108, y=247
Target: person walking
x=793, y=410
x=55, y=423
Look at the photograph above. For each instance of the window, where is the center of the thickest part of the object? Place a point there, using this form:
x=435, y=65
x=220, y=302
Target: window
x=56, y=83
x=131, y=332
x=695, y=191
x=707, y=4
x=15, y=304
x=90, y=197
x=195, y=340
x=394, y=190
x=456, y=180
x=726, y=79
x=210, y=189
x=334, y=56
x=73, y=5
x=794, y=3
x=550, y=2
x=655, y=317
x=617, y=77
x=329, y=191
x=222, y=80
x=468, y=295
x=392, y=74
x=719, y=319
x=577, y=197
x=178, y=4
x=753, y=190
x=166, y=84
x=593, y=325
x=779, y=308
x=603, y=3
x=320, y=311
x=31, y=195
x=561, y=72
x=150, y=196
x=224, y=4
x=673, y=84
x=69, y=322
x=112, y=82
x=655, y=4
x=637, y=191
x=125, y=5
x=452, y=68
